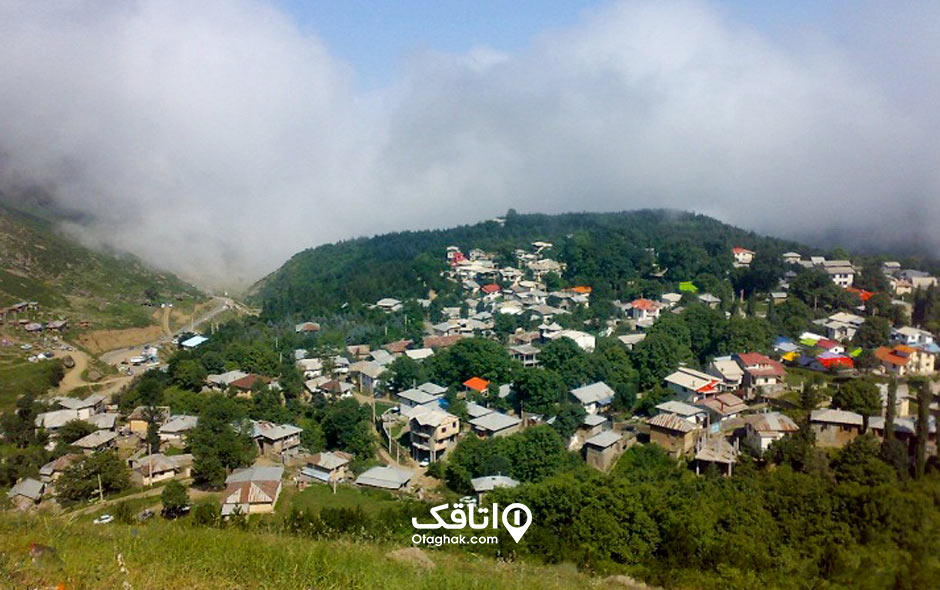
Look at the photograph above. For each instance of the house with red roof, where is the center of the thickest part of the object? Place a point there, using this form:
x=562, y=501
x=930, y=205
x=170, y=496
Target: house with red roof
x=900, y=360
x=643, y=309
x=831, y=346
x=476, y=384
x=246, y=383
x=490, y=289
x=834, y=361
x=742, y=256
x=862, y=293
x=761, y=373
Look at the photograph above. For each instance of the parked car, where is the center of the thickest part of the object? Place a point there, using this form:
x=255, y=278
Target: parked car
x=146, y=514
x=468, y=500
x=423, y=463
x=104, y=519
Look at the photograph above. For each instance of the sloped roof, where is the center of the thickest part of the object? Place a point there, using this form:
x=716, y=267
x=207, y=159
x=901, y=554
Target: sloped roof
x=271, y=431
x=672, y=423
x=679, y=408
x=256, y=473
x=604, y=439
x=179, y=423
x=772, y=422
x=832, y=416
x=330, y=460
x=717, y=450
x=95, y=439
x=386, y=477
x=488, y=483
x=28, y=488
x=494, y=422
x=594, y=393
x=476, y=384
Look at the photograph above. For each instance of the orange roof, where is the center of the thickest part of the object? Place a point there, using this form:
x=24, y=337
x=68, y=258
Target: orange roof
x=584, y=290
x=740, y=250
x=862, y=293
x=476, y=383
x=899, y=355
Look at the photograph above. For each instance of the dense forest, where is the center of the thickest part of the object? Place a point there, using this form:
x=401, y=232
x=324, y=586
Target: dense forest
x=604, y=250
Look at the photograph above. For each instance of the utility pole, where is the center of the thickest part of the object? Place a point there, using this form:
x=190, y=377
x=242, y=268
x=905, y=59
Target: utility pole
x=100, y=490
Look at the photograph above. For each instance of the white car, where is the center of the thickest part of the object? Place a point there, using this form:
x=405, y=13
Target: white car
x=468, y=500
x=423, y=463
x=104, y=519
x=26, y=347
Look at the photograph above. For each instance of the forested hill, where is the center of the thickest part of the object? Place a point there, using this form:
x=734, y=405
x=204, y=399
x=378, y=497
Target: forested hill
x=38, y=263
x=608, y=251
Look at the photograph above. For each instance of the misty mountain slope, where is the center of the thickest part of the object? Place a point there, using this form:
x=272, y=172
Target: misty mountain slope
x=39, y=263
x=604, y=250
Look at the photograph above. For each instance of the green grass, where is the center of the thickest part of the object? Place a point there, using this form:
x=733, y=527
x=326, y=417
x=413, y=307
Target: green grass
x=317, y=496
x=381, y=407
x=160, y=554
x=17, y=376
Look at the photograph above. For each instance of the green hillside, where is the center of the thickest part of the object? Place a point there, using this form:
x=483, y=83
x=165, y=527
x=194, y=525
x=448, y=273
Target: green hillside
x=604, y=250
x=39, y=263
x=161, y=555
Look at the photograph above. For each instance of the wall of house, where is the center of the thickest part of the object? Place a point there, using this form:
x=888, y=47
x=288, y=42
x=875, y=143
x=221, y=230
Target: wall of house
x=834, y=435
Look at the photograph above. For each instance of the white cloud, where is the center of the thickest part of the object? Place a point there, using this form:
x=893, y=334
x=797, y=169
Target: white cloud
x=216, y=139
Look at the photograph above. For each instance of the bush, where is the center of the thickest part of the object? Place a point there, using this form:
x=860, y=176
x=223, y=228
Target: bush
x=207, y=512
x=124, y=512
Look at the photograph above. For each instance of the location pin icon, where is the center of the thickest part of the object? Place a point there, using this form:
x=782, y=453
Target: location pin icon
x=516, y=526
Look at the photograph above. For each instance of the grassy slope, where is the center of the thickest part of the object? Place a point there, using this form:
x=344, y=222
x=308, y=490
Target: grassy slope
x=18, y=376
x=162, y=555
x=39, y=263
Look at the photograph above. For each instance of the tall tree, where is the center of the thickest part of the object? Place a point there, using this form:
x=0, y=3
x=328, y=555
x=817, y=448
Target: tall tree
x=923, y=428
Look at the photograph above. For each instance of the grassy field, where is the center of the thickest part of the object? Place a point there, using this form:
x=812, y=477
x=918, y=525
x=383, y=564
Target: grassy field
x=18, y=376
x=317, y=496
x=159, y=555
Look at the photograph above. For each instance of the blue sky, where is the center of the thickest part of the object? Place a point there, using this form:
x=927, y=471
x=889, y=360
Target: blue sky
x=375, y=37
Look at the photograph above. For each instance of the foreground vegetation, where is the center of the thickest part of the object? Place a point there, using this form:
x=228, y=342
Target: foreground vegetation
x=161, y=555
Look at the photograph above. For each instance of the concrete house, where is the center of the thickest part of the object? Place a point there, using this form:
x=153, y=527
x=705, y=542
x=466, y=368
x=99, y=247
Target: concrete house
x=275, y=439
x=763, y=429
x=97, y=441
x=602, y=450
x=385, y=478
x=150, y=469
x=761, y=373
x=84, y=408
x=488, y=483
x=693, y=414
x=728, y=370
x=718, y=452
x=527, y=354
x=722, y=407
x=912, y=336
x=691, y=385
x=175, y=430
x=327, y=467
x=901, y=360
x=674, y=433
x=53, y=470
x=433, y=433
x=27, y=493
x=594, y=398
x=835, y=428
x=253, y=490
x=495, y=424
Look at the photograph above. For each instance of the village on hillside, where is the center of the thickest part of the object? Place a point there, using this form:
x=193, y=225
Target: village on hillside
x=708, y=416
